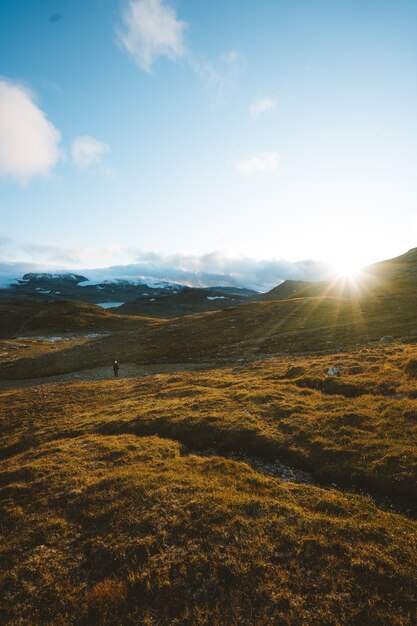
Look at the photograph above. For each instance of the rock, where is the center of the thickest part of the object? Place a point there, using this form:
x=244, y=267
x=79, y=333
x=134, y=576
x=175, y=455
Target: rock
x=333, y=371
x=387, y=338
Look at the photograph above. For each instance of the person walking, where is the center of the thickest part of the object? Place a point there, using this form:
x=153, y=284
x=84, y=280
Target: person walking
x=116, y=369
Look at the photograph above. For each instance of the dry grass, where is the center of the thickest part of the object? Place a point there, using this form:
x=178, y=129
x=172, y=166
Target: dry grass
x=294, y=326
x=61, y=317
x=128, y=530
x=109, y=516
x=356, y=429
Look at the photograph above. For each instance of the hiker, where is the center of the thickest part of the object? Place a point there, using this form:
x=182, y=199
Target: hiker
x=116, y=369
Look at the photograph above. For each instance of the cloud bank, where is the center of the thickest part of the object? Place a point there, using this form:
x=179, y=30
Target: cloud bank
x=215, y=268
x=262, y=162
x=195, y=270
x=29, y=142
x=150, y=30
x=87, y=151
x=211, y=269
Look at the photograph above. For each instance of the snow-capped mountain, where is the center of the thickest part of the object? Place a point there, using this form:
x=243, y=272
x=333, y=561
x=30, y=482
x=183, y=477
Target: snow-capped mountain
x=109, y=285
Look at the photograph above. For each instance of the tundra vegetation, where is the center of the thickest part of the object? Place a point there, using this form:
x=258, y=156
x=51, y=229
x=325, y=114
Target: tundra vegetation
x=155, y=499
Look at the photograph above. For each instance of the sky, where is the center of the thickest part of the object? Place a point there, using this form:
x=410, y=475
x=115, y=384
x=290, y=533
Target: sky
x=234, y=131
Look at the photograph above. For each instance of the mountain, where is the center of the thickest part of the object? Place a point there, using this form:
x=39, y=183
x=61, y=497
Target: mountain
x=42, y=286
x=291, y=289
x=134, y=294
x=157, y=298
x=186, y=301
x=390, y=276
x=399, y=269
x=319, y=320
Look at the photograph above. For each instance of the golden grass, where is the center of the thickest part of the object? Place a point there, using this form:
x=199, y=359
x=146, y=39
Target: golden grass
x=128, y=530
x=294, y=326
x=357, y=429
x=108, y=514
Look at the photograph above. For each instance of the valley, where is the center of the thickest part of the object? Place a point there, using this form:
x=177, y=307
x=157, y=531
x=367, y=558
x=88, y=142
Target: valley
x=252, y=465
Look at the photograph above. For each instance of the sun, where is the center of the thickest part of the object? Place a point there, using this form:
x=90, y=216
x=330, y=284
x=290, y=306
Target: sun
x=347, y=269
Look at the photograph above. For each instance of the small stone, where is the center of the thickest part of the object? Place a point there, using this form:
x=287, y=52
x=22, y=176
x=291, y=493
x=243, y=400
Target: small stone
x=333, y=371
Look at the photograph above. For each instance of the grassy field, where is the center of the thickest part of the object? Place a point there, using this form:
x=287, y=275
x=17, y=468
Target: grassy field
x=110, y=515
x=128, y=530
x=153, y=499
x=317, y=324
x=357, y=428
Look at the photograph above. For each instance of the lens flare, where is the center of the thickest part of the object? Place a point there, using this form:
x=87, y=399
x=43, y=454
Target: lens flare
x=347, y=269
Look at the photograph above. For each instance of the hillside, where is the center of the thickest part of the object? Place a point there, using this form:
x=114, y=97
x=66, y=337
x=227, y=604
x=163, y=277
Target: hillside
x=250, y=330
x=292, y=289
x=184, y=498
x=255, y=465
x=391, y=276
x=401, y=268
x=60, y=317
x=187, y=301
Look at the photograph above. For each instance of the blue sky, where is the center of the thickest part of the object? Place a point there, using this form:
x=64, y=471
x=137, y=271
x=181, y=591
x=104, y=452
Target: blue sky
x=268, y=130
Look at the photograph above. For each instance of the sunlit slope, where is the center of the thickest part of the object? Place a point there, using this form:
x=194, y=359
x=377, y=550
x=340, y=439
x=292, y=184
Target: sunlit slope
x=254, y=329
x=109, y=514
x=403, y=267
x=392, y=276
x=293, y=289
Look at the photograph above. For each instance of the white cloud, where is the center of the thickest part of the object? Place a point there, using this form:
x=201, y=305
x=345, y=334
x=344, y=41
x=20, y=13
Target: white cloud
x=197, y=270
x=86, y=151
x=152, y=30
x=261, y=105
x=262, y=162
x=29, y=143
x=216, y=268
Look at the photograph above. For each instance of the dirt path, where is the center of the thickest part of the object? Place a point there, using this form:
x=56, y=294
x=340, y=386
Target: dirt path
x=127, y=370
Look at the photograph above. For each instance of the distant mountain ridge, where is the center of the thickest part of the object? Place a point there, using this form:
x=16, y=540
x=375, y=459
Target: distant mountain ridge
x=145, y=295
x=159, y=299
x=70, y=286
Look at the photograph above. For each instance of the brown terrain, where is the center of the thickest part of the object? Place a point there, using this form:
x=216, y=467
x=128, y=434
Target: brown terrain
x=251, y=466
